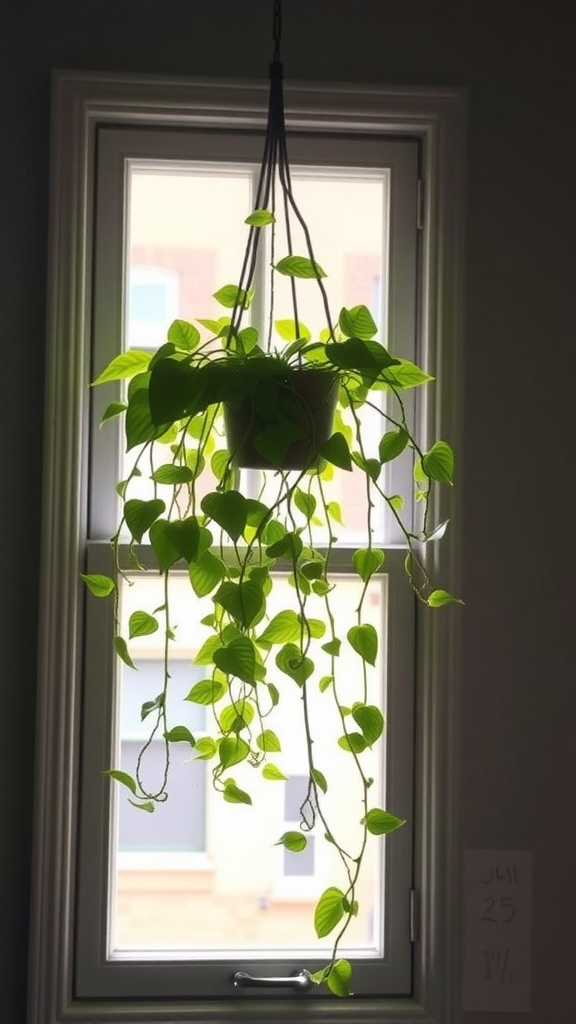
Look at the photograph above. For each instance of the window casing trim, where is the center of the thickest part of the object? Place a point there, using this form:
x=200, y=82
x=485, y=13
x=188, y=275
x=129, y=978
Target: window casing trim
x=81, y=102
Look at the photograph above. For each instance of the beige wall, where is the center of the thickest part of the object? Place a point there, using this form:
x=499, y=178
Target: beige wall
x=518, y=680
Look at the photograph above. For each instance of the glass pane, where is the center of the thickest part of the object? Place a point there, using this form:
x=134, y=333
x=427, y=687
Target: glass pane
x=186, y=238
x=201, y=877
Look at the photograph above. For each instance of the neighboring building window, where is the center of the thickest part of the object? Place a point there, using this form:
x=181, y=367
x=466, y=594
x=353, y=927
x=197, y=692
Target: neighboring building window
x=153, y=302
x=297, y=864
x=180, y=831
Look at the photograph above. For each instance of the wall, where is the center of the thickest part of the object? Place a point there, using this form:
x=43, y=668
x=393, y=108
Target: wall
x=518, y=693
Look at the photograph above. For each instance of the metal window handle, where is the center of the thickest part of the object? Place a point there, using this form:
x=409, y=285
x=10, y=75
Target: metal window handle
x=241, y=979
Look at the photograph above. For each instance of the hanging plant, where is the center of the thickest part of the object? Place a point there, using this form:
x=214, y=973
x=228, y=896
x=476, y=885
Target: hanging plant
x=291, y=404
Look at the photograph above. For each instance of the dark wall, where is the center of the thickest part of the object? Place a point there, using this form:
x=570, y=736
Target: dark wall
x=518, y=682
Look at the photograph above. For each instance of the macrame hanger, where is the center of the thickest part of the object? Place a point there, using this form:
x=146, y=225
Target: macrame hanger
x=274, y=166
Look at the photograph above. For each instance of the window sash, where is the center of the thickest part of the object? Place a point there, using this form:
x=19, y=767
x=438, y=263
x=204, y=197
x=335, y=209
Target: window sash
x=97, y=976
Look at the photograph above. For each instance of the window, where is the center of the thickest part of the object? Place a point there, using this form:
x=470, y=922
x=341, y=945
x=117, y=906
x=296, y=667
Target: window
x=136, y=905
x=153, y=302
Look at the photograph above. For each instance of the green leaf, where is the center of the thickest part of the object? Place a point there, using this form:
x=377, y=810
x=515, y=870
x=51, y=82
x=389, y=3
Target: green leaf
x=299, y=266
x=138, y=423
x=206, y=652
x=321, y=587
x=270, y=771
x=293, y=841
x=205, y=573
x=205, y=748
x=248, y=338
x=371, y=721
x=235, y=717
x=335, y=512
x=338, y=978
x=351, y=908
x=268, y=741
x=220, y=462
x=273, y=532
x=123, y=778
x=215, y=326
x=98, y=584
x=168, y=349
x=141, y=624
x=121, y=649
x=438, y=598
x=207, y=691
x=371, y=467
x=364, y=640
x=332, y=647
x=336, y=451
x=283, y=628
x=180, y=734
x=357, y=323
x=237, y=659
x=173, y=389
x=325, y=683
x=290, y=544
x=418, y=473
x=291, y=661
x=171, y=474
x=438, y=463
x=243, y=601
x=230, y=295
x=353, y=741
x=165, y=552
x=355, y=354
x=305, y=503
x=313, y=570
x=140, y=515
x=259, y=218
x=367, y=561
x=406, y=375
x=380, y=822
x=320, y=780
x=232, y=750
x=151, y=705
x=234, y=795
x=184, y=335
x=287, y=330
x=146, y=805
x=184, y=536
x=329, y=911
x=392, y=444
x=112, y=410
x=228, y=509
x=126, y=365
x=314, y=627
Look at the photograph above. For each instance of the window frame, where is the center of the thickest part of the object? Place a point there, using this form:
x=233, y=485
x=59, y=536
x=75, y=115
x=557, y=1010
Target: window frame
x=81, y=102
x=235, y=153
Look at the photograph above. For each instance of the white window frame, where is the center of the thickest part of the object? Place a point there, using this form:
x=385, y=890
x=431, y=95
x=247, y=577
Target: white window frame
x=81, y=102
x=384, y=966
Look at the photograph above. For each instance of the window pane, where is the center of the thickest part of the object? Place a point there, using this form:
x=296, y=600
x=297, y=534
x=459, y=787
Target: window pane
x=185, y=227
x=183, y=819
x=211, y=879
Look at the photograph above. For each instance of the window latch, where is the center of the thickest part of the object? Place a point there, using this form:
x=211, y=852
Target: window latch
x=302, y=980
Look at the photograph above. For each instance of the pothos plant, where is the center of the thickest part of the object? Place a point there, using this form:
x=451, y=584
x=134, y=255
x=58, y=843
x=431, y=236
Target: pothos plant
x=293, y=405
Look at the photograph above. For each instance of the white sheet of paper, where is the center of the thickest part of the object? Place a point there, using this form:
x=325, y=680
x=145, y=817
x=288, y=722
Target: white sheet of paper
x=497, y=930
